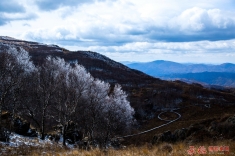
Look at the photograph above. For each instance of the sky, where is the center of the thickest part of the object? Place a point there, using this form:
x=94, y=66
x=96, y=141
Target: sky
x=199, y=31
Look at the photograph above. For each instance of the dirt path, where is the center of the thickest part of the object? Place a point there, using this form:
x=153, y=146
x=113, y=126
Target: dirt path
x=143, y=132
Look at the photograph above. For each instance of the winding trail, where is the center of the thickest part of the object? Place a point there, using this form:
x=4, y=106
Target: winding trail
x=169, y=122
x=162, y=118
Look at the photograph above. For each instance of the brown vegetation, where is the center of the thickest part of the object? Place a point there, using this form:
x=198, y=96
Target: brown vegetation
x=164, y=149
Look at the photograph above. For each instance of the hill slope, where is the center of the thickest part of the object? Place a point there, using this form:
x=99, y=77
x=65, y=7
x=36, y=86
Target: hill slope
x=98, y=65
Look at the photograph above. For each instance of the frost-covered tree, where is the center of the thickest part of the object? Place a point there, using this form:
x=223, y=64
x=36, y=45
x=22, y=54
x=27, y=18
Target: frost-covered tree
x=117, y=115
x=99, y=110
x=72, y=86
x=15, y=64
x=96, y=98
x=58, y=92
x=41, y=91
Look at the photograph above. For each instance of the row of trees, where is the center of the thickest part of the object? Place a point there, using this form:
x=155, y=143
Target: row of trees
x=57, y=92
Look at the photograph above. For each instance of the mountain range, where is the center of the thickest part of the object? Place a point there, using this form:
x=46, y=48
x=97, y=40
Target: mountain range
x=221, y=75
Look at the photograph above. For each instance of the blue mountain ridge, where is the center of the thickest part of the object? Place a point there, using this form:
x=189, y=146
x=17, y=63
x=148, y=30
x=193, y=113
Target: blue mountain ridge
x=222, y=75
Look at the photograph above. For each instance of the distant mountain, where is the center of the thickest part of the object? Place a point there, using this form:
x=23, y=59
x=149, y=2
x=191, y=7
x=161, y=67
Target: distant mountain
x=157, y=68
x=160, y=67
x=223, y=74
x=212, y=78
x=127, y=62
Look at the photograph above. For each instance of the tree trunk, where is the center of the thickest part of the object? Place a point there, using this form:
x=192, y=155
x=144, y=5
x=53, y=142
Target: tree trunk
x=43, y=129
x=1, y=104
x=0, y=114
x=63, y=134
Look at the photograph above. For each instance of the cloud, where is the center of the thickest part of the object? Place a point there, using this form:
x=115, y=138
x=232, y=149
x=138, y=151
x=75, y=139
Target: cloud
x=7, y=18
x=12, y=10
x=197, y=19
x=150, y=27
x=2, y=20
x=200, y=51
x=11, y=6
x=194, y=24
x=197, y=24
x=27, y=25
x=177, y=47
x=107, y=27
x=49, y=5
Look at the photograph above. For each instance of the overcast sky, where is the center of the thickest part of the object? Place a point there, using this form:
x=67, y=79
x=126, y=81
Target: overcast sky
x=201, y=31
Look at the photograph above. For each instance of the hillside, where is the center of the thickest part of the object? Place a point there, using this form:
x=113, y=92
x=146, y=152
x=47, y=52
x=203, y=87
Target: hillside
x=99, y=65
x=221, y=75
x=148, y=96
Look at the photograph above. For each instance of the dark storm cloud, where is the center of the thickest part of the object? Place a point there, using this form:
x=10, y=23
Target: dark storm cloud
x=10, y=6
x=49, y=5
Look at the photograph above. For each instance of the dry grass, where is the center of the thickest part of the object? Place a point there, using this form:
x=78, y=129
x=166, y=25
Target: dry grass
x=165, y=149
x=190, y=116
